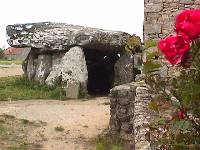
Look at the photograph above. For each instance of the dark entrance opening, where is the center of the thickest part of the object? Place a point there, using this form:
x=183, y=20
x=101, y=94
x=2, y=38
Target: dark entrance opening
x=100, y=71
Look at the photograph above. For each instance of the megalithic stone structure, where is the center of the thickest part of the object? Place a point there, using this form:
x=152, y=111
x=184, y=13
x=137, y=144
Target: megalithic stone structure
x=62, y=53
x=60, y=36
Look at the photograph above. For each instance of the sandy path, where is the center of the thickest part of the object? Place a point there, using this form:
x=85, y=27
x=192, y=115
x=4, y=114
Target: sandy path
x=10, y=70
x=81, y=120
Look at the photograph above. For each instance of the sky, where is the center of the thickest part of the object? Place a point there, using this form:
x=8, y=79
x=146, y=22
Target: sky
x=120, y=15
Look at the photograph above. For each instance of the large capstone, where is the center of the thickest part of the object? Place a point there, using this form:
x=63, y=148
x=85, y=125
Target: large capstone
x=59, y=36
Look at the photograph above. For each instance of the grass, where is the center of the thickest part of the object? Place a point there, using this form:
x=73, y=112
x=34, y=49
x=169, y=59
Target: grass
x=108, y=142
x=8, y=62
x=20, y=88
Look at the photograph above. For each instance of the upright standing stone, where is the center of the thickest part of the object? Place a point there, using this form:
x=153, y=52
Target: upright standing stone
x=43, y=68
x=124, y=69
x=30, y=66
x=74, y=66
x=71, y=69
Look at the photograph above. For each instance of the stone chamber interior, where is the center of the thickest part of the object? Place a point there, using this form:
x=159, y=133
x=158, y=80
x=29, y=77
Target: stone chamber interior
x=101, y=72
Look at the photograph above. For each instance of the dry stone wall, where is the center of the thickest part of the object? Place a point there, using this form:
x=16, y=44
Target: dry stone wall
x=159, y=16
x=130, y=114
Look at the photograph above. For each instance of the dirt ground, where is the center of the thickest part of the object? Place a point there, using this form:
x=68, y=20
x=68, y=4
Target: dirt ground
x=10, y=70
x=69, y=125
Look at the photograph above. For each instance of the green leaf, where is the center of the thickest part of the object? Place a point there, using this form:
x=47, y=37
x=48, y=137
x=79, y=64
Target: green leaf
x=151, y=67
x=160, y=121
x=152, y=55
x=180, y=146
x=183, y=124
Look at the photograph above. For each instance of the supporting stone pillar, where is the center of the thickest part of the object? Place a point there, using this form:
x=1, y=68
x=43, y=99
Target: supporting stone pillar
x=43, y=68
x=124, y=69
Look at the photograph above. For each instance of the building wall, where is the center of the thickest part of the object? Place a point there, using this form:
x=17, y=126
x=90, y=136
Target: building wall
x=19, y=56
x=159, y=16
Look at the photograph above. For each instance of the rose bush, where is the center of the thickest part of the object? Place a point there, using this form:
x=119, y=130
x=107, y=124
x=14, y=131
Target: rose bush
x=188, y=22
x=175, y=48
x=176, y=100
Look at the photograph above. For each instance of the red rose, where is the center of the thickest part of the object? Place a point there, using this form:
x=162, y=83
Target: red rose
x=175, y=48
x=192, y=16
x=181, y=114
x=184, y=16
x=190, y=29
x=188, y=22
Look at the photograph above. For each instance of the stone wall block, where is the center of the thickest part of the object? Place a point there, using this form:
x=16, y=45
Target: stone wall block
x=152, y=29
x=153, y=7
x=186, y=1
x=165, y=16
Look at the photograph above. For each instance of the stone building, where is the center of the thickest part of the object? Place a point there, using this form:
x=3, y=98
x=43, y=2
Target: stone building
x=159, y=16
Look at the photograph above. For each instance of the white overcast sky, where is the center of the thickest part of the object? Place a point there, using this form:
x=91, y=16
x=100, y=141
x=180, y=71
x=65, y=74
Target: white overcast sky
x=122, y=15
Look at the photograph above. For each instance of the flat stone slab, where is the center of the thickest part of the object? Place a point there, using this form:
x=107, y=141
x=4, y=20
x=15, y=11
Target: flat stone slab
x=61, y=36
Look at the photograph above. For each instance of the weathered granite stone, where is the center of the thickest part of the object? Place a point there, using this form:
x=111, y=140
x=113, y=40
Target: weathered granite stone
x=55, y=77
x=74, y=66
x=60, y=36
x=130, y=114
x=124, y=69
x=187, y=1
x=43, y=68
x=152, y=29
x=30, y=67
x=142, y=116
x=121, y=110
x=153, y=7
x=72, y=90
x=71, y=68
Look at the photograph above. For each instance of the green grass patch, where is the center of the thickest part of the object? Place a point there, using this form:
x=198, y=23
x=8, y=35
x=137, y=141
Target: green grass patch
x=20, y=88
x=7, y=62
x=108, y=142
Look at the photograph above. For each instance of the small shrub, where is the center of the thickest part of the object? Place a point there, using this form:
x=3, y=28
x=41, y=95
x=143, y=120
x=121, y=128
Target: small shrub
x=150, y=43
x=133, y=44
